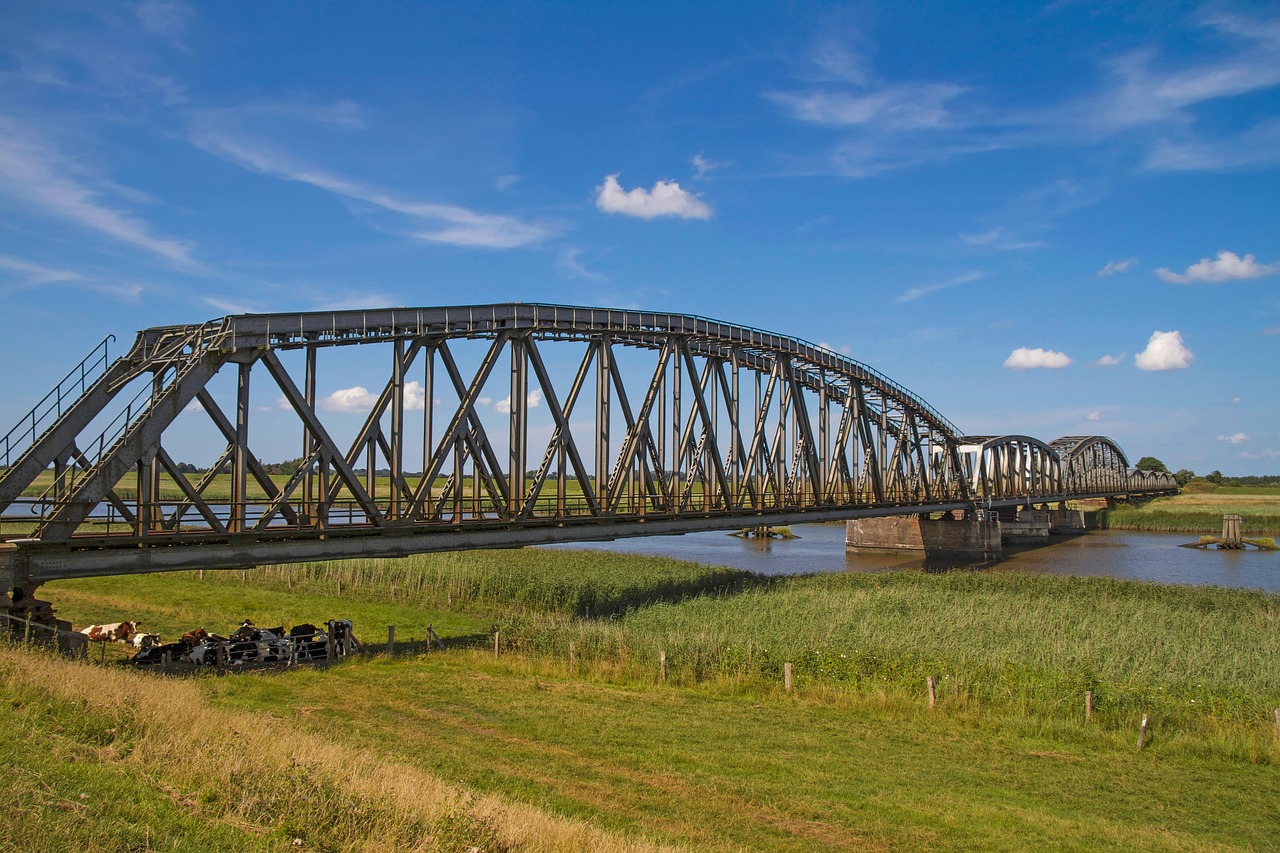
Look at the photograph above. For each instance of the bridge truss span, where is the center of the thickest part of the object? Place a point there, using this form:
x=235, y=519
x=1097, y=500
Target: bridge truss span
x=483, y=426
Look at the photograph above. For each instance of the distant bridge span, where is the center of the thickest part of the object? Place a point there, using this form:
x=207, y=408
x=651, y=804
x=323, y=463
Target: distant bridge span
x=607, y=423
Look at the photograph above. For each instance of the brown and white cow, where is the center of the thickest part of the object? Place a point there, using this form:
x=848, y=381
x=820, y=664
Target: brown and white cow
x=116, y=632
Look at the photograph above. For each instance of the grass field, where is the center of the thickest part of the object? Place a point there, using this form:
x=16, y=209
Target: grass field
x=458, y=749
x=1201, y=512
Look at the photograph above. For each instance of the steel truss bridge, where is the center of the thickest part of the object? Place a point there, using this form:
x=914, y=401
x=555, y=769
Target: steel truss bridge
x=607, y=423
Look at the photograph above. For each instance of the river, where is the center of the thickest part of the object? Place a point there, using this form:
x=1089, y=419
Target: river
x=1100, y=553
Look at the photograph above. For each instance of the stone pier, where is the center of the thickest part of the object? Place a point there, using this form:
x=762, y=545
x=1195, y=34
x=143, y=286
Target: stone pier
x=944, y=538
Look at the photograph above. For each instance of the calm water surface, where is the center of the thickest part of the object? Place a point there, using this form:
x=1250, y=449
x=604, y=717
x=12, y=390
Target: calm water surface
x=1103, y=553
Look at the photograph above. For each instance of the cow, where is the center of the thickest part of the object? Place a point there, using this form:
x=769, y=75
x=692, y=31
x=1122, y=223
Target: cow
x=116, y=632
x=142, y=641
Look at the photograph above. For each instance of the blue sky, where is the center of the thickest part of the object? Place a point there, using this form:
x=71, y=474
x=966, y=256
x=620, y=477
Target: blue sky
x=1053, y=219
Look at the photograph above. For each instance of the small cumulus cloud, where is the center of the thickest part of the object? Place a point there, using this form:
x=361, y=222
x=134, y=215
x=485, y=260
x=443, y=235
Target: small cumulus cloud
x=533, y=400
x=568, y=265
x=667, y=198
x=1235, y=401
x=1114, y=267
x=355, y=399
x=505, y=182
x=1032, y=358
x=1227, y=266
x=1234, y=438
x=1271, y=453
x=361, y=399
x=1165, y=351
x=1272, y=330
x=843, y=349
x=1093, y=416
x=1111, y=360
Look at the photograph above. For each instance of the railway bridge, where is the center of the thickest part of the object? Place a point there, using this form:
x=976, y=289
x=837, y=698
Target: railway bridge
x=487, y=426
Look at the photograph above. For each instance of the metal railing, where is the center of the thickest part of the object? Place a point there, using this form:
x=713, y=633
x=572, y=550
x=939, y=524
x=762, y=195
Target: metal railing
x=50, y=408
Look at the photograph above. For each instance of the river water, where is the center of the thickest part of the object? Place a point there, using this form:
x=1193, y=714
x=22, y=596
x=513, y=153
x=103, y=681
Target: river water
x=1101, y=553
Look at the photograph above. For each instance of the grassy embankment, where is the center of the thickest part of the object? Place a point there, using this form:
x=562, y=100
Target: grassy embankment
x=718, y=756
x=1201, y=511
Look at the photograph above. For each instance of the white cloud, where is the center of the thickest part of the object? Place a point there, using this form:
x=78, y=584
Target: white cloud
x=1270, y=452
x=702, y=165
x=1114, y=267
x=915, y=293
x=907, y=106
x=33, y=172
x=34, y=273
x=1228, y=266
x=843, y=349
x=568, y=265
x=164, y=18
x=1271, y=330
x=1111, y=360
x=361, y=399
x=1027, y=358
x=1235, y=401
x=1165, y=351
x=1002, y=240
x=456, y=226
x=533, y=400
x=1235, y=438
x=505, y=182
x=1093, y=416
x=356, y=399
x=665, y=199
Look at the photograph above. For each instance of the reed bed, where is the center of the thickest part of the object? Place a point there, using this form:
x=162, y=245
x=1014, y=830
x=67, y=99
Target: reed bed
x=574, y=582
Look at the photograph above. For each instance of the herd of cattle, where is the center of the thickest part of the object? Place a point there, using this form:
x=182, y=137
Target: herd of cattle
x=247, y=645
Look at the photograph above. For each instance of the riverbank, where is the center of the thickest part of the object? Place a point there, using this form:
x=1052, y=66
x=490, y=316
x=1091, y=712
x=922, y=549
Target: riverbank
x=1200, y=512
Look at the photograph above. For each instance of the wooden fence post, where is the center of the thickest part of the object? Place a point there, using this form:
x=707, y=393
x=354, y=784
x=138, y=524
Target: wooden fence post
x=933, y=696
x=786, y=676
x=391, y=639
x=1142, y=733
x=573, y=658
x=495, y=643
x=330, y=647
x=1277, y=723
x=662, y=665
x=1088, y=705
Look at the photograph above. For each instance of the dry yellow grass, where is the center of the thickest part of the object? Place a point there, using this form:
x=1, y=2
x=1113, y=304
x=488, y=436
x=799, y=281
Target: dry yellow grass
x=254, y=771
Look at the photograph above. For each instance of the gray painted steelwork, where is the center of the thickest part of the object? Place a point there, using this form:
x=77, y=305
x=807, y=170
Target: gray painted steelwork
x=657, y=423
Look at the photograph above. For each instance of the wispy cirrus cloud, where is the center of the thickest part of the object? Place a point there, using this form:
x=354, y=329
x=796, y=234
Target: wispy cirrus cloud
x=915, y=293
x=446, y=223
x=33, y=172
x=1113, y=267
x=33, y=273
x=1144, y=97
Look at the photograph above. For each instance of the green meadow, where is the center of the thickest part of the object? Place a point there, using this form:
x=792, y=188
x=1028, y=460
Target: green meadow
x=533, y=749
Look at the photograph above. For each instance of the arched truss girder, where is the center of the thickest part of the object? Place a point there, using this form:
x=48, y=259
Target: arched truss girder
x=1149, y=482
x=1093, y=464
x=1010, y=466
x=719, y=419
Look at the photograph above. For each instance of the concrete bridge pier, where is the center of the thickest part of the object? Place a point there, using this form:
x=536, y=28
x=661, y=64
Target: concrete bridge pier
x=945, y=538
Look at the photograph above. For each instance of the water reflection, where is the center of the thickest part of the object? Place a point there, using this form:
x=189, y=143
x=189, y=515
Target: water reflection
x=1103, y=553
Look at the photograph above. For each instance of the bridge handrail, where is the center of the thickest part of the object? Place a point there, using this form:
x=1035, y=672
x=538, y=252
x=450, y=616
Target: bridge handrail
x=197, y=338
x=92, y=365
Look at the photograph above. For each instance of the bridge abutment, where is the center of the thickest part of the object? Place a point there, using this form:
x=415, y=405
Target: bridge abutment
x=943, y=538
